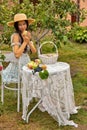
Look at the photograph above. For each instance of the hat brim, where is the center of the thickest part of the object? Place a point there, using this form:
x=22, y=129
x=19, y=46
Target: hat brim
x=30, y=21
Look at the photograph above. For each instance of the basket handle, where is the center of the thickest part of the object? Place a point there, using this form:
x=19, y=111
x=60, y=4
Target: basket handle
x=46, y=43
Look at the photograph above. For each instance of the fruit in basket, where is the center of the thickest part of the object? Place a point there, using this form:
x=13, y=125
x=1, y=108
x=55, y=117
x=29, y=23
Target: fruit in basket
x=35, y=65
x=44, y=67
x=44, y=74
x=38, y=61
x=30, y=64
x=25, y=32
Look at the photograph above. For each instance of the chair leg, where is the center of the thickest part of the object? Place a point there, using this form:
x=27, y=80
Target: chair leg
x=18, y=100
x=2, y=93
x=18, y=97
x=18, y=92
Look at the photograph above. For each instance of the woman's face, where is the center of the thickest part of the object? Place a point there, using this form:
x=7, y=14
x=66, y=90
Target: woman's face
x=22, y=25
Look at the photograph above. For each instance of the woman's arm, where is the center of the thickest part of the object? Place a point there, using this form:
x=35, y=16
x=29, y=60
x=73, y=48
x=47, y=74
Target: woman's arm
x=31, y=45
x=18, y=50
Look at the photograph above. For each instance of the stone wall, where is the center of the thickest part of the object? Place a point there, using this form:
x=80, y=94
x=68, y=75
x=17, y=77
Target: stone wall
x=84, y=5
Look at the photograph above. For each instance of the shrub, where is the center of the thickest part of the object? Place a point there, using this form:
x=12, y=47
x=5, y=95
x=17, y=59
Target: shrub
x=78, y=34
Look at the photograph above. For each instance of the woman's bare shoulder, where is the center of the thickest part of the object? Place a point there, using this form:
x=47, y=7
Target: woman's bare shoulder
x=15, y=37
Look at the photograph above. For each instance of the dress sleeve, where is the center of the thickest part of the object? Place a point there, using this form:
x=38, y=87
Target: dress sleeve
x=16, y=43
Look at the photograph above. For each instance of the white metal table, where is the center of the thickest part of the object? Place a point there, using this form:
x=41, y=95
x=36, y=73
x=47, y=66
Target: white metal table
x=55, y=93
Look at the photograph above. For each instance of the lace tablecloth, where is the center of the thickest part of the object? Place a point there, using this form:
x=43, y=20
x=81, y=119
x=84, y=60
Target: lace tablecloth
x=56, y=92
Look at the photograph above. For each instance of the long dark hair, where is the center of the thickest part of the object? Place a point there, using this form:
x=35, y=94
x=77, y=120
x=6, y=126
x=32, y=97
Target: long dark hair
x=19, y=32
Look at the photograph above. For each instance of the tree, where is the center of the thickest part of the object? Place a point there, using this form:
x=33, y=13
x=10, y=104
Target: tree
x=49, y=15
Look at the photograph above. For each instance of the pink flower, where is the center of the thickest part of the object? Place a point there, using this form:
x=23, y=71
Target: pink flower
x=1, y=67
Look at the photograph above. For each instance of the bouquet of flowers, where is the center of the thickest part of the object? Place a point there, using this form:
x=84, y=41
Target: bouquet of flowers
x=36, y=66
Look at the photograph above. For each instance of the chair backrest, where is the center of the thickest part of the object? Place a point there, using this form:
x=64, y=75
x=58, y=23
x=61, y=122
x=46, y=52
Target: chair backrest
x=10, y=57
x=10, y=76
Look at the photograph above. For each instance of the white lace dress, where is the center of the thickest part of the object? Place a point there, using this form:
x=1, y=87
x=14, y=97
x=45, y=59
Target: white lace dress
x=10, y=73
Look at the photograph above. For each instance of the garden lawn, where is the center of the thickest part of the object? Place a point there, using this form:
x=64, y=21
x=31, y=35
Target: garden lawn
x=76, y=56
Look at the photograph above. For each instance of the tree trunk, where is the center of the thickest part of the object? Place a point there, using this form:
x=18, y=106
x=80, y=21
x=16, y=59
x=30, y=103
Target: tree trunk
x=20, y=1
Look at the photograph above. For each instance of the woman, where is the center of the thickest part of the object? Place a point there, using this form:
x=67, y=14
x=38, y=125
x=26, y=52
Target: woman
x=21, y=43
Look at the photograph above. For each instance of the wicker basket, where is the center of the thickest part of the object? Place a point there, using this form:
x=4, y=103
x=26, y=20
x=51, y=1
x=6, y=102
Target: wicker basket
x=48, y=58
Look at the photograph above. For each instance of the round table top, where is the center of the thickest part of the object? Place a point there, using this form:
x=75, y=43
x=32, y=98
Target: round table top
x=52, y=68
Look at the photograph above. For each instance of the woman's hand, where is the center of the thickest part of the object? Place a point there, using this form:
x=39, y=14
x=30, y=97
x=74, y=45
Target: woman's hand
x=26, y=37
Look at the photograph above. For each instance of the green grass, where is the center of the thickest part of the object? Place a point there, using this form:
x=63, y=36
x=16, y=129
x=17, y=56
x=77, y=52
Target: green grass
x=76, y=56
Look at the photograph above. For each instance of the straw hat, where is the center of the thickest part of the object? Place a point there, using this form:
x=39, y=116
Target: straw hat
x=20, y=17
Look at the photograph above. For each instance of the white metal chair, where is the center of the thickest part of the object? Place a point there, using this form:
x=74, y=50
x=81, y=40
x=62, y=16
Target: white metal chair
x=5, y=83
